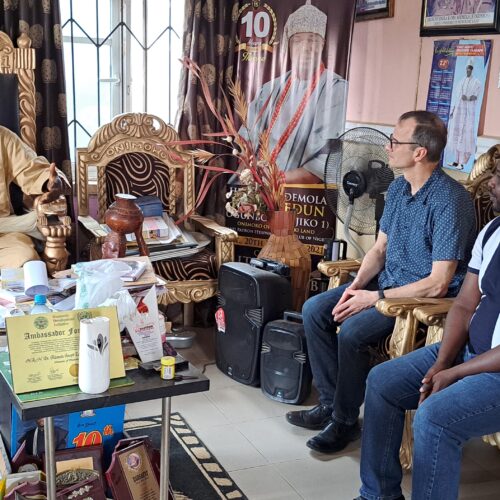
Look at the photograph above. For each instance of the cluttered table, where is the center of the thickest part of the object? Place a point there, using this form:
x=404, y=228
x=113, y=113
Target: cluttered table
x=146, y=386
x=127, y=289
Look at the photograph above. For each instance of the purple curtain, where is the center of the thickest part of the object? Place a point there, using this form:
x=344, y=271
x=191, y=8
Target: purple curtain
x=41, y=20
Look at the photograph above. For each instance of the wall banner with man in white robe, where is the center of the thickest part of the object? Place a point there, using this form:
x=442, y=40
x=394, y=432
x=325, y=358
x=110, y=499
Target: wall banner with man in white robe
x=292, y=65
x=456, y=90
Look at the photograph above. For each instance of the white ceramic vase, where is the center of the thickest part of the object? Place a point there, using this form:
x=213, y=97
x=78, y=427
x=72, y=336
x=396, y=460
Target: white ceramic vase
x=93, y=365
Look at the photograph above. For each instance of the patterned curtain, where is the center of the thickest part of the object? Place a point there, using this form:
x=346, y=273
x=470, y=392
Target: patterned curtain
x=209, y=36
x=40, y=19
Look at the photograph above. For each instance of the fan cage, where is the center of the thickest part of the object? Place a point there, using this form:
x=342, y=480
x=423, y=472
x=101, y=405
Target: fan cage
x=361, y=149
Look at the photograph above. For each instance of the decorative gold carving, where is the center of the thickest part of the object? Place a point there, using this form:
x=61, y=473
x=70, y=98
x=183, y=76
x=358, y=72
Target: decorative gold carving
x=338, y=271
x=82, y=182
x=188, y=291
x=406, y=450
x=21, y=62
x=331, y=269
x=55, y=225
x=189, y=187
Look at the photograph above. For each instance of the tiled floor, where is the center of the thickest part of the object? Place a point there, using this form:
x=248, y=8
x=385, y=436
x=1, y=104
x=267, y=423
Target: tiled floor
x=268, y=458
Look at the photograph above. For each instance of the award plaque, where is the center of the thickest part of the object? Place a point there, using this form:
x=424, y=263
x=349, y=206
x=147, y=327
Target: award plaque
x=88, y=489
x=23, y=462
x=134, y=471
x=81, y=462
x=20, y=478
x=154, y=454
x=28, y=490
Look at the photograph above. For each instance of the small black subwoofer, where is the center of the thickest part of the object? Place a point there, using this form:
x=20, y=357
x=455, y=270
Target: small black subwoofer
x=248, y=298
x=285, y=371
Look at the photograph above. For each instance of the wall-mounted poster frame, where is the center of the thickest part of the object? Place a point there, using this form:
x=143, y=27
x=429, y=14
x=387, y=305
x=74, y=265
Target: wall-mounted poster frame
x=459, y=17
x=374, y=9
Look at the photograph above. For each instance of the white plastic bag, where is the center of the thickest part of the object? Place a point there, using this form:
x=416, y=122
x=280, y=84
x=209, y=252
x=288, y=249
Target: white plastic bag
x=97, y=281
x=125, y=306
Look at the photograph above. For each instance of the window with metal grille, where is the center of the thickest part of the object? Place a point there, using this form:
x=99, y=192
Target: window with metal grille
x=120, y=56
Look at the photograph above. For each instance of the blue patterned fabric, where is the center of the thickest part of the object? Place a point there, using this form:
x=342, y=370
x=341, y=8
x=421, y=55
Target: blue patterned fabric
x=435, y=224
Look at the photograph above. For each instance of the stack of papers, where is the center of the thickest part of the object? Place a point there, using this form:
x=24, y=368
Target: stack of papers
x=12, y=286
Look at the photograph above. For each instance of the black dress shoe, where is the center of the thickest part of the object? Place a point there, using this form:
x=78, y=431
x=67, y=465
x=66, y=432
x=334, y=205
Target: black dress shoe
x=334, y=437
x=316, y=418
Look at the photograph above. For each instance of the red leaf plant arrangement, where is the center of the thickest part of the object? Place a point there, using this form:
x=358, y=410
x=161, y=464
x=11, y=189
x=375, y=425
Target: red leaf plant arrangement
x=261, y=186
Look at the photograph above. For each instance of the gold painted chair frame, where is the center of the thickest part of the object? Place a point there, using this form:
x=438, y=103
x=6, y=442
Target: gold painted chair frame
x=145, y=133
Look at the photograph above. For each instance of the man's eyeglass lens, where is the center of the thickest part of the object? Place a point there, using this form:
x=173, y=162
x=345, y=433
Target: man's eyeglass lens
x=395, y=142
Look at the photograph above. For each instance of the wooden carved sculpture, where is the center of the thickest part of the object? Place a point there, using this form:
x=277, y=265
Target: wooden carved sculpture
x=55, y=225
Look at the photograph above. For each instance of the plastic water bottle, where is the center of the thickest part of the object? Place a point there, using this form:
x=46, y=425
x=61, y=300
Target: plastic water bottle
x=39, y=306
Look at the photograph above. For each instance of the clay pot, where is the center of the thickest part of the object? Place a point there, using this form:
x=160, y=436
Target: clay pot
x=123, y=217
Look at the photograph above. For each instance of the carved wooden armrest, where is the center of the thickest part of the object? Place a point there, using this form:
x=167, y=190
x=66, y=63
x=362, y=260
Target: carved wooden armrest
x=338, y=271
x=211, y=228
x=225, y=238
x=397, y=307
x=404, y=336
x=433, y=314
x=55, y=226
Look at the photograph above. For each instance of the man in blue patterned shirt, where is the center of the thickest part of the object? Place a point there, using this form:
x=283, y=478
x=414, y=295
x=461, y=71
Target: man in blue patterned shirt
x=426, y=234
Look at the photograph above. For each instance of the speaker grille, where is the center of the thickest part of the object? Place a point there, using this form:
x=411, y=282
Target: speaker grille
x=254, y=316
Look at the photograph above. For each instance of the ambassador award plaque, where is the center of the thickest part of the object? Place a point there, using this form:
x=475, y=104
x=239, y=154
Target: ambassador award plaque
x=131, y=475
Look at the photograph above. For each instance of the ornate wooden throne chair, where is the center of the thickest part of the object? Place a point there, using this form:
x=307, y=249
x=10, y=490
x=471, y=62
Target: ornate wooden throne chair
x=133, y=154
x=17, y=113
x=420, y=321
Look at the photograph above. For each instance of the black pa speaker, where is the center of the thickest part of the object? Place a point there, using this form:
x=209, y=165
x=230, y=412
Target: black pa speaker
x=285, y=370
x=248, y=298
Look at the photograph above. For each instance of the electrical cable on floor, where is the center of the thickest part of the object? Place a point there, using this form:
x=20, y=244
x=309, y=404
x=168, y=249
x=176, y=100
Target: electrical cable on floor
x=207, y=364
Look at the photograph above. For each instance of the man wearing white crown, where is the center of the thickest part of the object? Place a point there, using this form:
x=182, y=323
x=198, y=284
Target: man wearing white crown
x=303, y=108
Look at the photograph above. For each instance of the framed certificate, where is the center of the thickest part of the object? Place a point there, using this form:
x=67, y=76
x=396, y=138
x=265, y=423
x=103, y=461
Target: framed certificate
x=459, y=17
x=374, y=9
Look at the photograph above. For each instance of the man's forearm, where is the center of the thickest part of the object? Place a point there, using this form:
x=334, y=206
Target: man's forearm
x=488, y=361
x=456, y=333
x=434, y=285
x=427, y=287
x=456, y=330
x=372, y=264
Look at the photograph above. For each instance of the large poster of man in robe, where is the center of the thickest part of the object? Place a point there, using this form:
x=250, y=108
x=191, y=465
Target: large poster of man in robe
x=456, y=90
x=293, y=59
x=296, y=87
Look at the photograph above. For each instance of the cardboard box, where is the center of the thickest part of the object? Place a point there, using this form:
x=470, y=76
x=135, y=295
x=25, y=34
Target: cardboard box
x=85, y=428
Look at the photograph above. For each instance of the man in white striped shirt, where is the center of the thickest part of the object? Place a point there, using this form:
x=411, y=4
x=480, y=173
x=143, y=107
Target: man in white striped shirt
x=454, y=385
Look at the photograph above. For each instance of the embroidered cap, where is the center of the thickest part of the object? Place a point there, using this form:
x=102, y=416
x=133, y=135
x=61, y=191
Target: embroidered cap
x=470, y=62
x=306, y=19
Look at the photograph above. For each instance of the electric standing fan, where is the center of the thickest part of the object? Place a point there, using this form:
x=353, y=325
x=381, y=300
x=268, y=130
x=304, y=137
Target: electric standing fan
x=356, y=179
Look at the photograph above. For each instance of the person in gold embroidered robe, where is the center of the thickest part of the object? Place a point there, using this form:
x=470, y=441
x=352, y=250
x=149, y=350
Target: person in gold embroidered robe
x=20, y=165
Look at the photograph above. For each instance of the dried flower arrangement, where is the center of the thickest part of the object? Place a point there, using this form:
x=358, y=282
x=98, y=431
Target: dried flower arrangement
x=261, y=186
